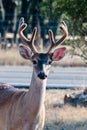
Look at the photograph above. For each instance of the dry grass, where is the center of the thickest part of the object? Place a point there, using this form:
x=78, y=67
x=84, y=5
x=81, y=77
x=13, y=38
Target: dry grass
x=12, y=57
x=63, y=117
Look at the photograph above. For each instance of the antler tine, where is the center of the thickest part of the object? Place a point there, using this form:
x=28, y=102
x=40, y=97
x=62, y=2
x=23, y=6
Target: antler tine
x=51, y=36
x=54, y=44
x=30, y=43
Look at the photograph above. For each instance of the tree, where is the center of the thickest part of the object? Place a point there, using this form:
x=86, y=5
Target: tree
x=41, y=13
x=76, y=10
x=1, y=19
x=10, y=8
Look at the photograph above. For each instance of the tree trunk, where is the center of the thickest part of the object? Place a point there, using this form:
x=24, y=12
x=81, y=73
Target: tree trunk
x=10, y=15
x=1, y=20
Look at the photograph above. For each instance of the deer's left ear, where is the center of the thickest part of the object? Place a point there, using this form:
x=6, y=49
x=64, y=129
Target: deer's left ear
x=25, y=52
x=58, y=54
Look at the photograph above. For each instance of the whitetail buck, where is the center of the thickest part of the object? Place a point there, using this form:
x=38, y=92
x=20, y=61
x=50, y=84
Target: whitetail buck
x=22, y=109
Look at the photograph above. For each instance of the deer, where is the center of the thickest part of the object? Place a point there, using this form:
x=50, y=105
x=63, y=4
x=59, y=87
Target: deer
x=22, y=109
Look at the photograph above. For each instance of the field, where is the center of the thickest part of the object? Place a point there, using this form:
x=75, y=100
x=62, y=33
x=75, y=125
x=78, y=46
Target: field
x=12, y=57
x=59, y=116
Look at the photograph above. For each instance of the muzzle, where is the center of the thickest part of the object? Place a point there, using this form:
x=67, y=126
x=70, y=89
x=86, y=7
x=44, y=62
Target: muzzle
x=42, y=75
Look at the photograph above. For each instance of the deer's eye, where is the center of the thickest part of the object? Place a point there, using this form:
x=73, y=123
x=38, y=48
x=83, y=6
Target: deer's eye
x=49, y=62
x=34, y=62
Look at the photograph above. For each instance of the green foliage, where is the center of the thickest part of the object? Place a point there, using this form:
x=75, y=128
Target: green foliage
x=76, y=10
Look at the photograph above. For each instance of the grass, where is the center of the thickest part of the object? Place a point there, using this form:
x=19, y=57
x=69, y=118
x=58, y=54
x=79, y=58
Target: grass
x=60, y=116
x=12, y=57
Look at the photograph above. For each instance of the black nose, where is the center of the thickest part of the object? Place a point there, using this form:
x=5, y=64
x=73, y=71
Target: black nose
x=42, y=75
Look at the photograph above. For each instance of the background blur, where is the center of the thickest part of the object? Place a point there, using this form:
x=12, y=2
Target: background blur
x=44, y=14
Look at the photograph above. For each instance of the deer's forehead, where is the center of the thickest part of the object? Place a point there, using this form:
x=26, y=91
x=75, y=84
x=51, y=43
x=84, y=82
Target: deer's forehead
x=42, y=56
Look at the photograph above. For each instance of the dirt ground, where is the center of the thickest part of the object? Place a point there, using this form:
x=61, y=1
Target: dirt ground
x=60, y=116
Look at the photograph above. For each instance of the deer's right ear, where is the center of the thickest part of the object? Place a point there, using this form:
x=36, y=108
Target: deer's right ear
x=25, y=52
x=58, y=54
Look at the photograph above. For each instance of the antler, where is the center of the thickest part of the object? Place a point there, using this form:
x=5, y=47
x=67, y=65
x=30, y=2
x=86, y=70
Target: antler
x=30, y=43
x=54, y=43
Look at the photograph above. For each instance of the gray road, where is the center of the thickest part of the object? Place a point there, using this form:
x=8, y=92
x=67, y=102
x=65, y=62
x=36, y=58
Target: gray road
x=58, y=77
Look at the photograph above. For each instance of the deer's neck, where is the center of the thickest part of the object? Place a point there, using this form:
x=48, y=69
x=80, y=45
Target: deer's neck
x=36, y=95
